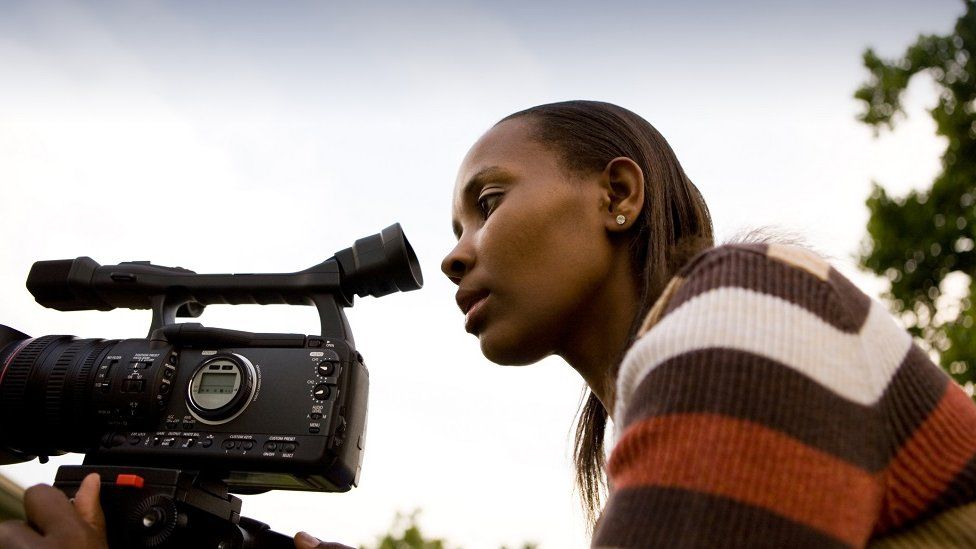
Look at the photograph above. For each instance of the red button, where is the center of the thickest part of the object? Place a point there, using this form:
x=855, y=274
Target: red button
x=129, y=480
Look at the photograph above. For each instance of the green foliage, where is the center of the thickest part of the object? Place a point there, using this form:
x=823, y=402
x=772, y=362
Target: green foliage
x=405, y=534
x=919, y=240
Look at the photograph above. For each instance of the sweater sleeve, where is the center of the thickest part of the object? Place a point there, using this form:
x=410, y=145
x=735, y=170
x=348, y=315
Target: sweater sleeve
x=746, y=413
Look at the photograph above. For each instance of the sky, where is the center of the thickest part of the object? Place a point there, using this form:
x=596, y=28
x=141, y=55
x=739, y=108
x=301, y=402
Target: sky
x=264, y=137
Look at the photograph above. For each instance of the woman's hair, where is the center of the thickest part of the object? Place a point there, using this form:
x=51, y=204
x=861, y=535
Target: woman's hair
x=673, y=226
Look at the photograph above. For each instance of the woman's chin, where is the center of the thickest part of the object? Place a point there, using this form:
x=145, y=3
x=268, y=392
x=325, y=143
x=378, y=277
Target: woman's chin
x=509, y=351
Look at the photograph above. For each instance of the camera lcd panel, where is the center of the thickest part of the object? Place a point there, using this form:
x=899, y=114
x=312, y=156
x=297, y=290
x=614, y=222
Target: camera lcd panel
x=217, y=383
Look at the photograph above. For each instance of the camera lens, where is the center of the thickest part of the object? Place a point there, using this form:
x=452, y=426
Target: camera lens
x=45, y=393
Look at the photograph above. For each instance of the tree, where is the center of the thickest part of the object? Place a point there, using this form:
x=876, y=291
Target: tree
x=405, y=534
x=919, y=240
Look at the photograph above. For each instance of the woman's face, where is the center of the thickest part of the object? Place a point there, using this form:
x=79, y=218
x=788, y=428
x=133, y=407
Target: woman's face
x=533, y=250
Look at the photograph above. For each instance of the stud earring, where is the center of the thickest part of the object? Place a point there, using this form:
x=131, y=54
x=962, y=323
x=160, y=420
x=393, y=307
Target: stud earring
x=621, y=219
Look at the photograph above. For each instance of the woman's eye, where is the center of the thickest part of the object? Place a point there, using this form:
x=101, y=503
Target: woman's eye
x=488, y=203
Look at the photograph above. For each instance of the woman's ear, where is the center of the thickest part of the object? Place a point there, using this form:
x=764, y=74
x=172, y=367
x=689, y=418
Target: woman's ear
x=624, y=187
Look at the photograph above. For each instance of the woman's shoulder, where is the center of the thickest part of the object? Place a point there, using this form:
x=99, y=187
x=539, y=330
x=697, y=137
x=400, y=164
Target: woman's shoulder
x=763, y=271
x=779, y=305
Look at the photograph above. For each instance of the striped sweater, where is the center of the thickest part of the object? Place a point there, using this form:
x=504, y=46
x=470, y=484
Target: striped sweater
x=768, y=402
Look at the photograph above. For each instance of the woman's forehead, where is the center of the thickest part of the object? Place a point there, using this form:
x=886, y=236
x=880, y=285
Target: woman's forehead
x=508, y=145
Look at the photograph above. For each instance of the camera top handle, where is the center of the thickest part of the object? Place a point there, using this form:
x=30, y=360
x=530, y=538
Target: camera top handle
x=375, y=265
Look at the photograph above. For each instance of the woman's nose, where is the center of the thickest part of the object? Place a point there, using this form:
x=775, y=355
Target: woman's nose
x=458, y=261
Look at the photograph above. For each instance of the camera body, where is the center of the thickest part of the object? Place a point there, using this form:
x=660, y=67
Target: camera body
x=269, y=411
x=257, y=411
x=177, y=421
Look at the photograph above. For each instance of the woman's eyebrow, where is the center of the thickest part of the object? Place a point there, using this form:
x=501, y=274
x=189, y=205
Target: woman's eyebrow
x=491, y=174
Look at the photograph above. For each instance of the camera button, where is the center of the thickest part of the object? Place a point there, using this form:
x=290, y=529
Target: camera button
x=134, y=440
x=134, y=481
x=206, y=443
x=289, y=448
x=228, y=444
x=313, y=430
x=270, y=446
x=248, y=444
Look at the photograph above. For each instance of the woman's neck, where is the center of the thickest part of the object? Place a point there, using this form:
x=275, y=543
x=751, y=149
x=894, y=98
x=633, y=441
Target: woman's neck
x=595, y=344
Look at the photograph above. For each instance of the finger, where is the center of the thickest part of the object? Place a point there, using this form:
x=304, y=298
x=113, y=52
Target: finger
x=48, y=509
x=87, y=503
x=306, y=541
x=15, y=534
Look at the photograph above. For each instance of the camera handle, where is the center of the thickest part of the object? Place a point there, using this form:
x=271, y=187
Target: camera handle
x=332, y=317
x=153, y=507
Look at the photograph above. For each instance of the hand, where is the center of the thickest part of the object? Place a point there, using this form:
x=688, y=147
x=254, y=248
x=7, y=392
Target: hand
x=53, y=522
x=305, y=541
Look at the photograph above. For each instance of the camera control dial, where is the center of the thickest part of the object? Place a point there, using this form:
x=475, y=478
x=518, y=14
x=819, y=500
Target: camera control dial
x=221, y=388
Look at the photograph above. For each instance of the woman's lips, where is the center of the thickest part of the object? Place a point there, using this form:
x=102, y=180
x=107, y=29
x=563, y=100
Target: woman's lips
x=474, y=314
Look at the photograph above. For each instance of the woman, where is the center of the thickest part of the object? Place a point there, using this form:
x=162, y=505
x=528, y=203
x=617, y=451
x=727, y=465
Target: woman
x=758, y=398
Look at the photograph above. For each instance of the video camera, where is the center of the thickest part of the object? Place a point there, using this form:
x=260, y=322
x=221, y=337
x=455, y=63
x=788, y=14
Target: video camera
x=176, y=421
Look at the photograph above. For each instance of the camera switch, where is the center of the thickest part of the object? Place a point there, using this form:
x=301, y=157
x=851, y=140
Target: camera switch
x=289, y=448
x=248, y=444
x=134, y=385
x=270, y=446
